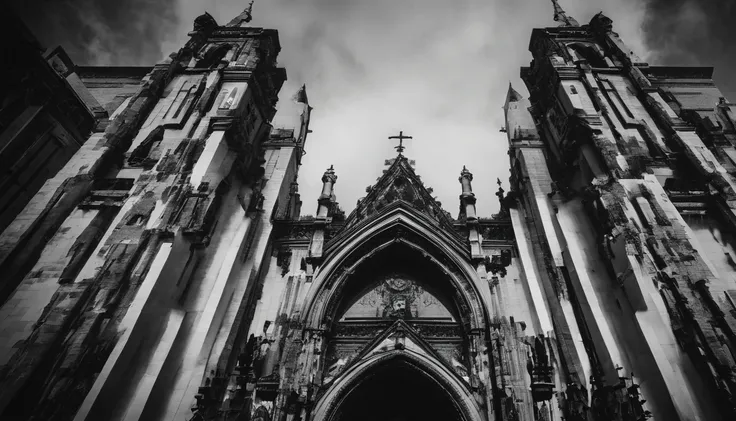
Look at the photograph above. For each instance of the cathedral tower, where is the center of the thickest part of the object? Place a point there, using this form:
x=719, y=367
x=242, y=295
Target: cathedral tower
x=622, y=179
x=129, y=278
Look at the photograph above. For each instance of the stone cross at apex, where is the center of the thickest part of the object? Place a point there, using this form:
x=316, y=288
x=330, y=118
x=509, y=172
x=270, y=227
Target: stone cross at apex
x=401, y=138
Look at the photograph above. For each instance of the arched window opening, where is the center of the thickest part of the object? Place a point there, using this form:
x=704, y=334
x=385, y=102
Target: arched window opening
x=229, y=101
x=184, y=102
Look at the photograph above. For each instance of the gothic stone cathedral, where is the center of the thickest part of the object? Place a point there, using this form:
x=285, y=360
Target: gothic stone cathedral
x=163, y=270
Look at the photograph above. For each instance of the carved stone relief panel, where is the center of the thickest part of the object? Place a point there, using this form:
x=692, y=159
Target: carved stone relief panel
x=398, y=297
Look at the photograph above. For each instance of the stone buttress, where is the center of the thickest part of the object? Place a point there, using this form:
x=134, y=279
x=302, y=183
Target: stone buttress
x=621, y=188
x=134, y=270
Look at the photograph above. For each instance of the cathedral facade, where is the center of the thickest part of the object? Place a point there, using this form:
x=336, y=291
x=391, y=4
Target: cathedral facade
x=166, y=272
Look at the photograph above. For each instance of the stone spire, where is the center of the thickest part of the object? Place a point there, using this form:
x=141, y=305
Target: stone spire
x=561, y=16
x=467, y=198
x=520, y=125
x=468, y=212
x=465, y=178
x=512, y=96
x=244, y=17
x=300, y=97
x=295, y=115
x=328, y=182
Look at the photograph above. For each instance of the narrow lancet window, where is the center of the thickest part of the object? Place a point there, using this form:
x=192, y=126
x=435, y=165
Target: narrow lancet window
x=230, y=101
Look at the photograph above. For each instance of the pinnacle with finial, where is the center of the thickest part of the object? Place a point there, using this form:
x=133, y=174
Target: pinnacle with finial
x=500, y=192
x=249, y=11
x=329, y=175
x=244, y=17
x=561, y=16
x=512, y=95
x=465, y=173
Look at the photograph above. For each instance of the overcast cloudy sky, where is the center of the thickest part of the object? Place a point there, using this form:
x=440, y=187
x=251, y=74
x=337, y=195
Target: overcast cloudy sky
x=437, y=69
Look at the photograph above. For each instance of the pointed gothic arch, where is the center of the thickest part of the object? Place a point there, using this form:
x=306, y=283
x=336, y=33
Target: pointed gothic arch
x=397, y=223
x=328, y=405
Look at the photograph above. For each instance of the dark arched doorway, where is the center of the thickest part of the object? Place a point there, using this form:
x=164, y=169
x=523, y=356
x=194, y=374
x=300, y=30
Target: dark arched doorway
x=397, y=391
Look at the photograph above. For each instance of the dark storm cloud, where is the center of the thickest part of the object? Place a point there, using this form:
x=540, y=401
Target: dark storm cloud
x=695, y=33
x=102, y=32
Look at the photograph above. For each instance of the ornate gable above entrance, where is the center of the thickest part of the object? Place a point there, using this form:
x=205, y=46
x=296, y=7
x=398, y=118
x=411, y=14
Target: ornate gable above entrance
x=400, y=183
x=399, y=336
x=400, y=374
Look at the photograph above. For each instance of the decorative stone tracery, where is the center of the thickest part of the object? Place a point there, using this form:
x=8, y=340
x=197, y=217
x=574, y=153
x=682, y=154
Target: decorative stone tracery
x=443, y=340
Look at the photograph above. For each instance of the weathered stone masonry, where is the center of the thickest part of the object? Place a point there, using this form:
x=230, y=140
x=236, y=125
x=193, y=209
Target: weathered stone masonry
x=166, y=273
x=177, y=172
x=628, y=152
